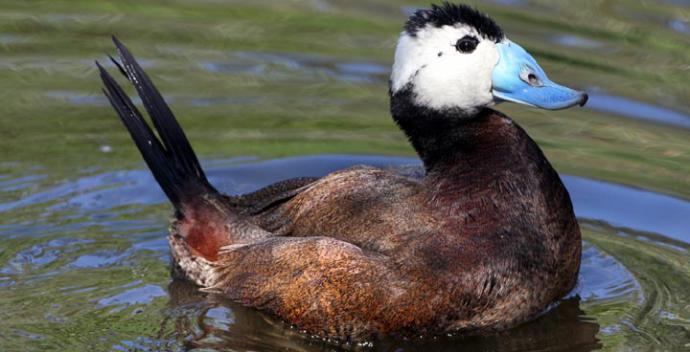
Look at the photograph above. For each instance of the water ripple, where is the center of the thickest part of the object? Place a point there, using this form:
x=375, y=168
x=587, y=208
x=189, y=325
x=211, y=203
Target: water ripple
x=631, y=108
x=602, y=277
x=139, y=295
x=680, y=26
x=299, y=66
x=41, y=255
x=576, y=41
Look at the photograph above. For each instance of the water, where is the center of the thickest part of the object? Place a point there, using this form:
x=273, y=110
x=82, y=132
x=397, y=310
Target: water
x=298, y=88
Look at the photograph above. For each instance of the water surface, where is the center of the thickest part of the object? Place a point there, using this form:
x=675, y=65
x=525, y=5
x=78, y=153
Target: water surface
x=298, y=88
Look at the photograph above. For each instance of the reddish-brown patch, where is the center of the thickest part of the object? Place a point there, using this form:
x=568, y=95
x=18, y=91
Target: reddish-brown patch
x=204, y=228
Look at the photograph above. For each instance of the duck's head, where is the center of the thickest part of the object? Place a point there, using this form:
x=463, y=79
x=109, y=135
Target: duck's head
x=454, y=57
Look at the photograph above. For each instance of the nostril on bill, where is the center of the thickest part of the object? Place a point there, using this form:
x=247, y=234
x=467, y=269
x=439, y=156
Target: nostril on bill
x=584, y=99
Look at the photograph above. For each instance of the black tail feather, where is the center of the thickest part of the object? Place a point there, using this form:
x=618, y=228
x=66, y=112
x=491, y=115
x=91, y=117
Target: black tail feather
x=163, y=119
x=119, y=67
x=170, y=158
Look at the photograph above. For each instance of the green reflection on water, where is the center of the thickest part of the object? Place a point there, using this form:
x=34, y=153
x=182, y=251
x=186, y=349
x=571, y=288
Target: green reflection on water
x=303, y=77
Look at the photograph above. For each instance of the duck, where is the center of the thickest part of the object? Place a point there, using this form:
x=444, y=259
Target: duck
x=480, y=239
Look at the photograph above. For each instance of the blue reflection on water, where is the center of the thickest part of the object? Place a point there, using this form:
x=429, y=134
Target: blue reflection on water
x=617, y=205
x=635, y=109
x=139, y=295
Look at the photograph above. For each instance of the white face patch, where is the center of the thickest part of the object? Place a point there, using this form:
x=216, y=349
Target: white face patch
x=441, y=76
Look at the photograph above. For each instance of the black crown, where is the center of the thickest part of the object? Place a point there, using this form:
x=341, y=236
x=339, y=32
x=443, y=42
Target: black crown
x=448, y=14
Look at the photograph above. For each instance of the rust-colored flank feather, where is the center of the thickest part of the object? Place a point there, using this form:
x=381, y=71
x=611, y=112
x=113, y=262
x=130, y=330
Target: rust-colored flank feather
x=482, y=240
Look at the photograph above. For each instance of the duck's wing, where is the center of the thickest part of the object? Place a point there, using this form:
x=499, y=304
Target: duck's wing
x=270, y=196
x=362, y=187
x=370, y=207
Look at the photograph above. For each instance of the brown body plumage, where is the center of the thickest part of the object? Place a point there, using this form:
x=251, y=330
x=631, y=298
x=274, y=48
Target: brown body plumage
x=365, y=250
x=483, y=238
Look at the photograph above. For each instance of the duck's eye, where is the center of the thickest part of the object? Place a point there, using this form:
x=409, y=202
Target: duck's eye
x=467, y=44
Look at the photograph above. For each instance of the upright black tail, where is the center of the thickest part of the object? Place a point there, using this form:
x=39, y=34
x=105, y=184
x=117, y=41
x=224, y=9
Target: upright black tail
x=170, y=158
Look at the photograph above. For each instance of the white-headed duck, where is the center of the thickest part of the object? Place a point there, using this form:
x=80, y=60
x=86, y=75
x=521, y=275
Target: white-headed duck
x=484, y=238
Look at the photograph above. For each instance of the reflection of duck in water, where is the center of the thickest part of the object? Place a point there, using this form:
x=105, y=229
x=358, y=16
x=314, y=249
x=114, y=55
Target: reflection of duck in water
x=485, y=239
x=210, y=321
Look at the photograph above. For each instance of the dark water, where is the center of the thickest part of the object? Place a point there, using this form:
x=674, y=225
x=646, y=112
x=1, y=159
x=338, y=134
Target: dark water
x=279, y=89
